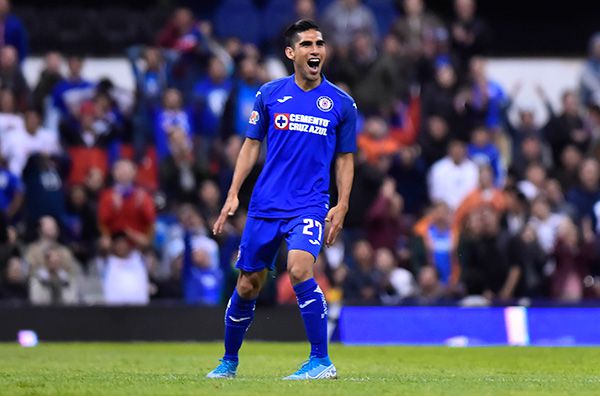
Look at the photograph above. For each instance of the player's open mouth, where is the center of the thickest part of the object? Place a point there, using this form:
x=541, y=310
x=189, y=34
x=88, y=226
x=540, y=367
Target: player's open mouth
x=313, y=64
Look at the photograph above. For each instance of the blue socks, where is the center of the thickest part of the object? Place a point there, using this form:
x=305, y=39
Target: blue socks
x=314, y=313
x=238, y=316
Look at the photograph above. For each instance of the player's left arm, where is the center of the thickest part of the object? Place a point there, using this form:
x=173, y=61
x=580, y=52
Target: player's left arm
x=344, y=173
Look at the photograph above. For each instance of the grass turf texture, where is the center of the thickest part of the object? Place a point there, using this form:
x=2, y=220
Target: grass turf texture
x=179, y=369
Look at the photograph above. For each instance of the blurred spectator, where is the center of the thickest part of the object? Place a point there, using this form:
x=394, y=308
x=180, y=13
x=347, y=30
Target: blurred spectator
x=568, y=169
x=126, y=208
x=96, y=125
x=375, y=140
x=12, y=78
x=74, y=81
x=343, y=18
x=210, y=201
x=545, y=223
x=440, y=241
x=485, y=195
x=12, y=31
x=409, y=172
x=33, y=138
x=53, y=283
x=481, y=101
x=430, y=288
x=81, y=224
x=240, y=102
x=48, y=236
x=180, y=172
x=394, y=283
x=434, y=139
x=413, y=25
x=151, y=79
x=191, y=44
x=360, y=284
x=517, y=210
x=50, y=76
x=574, y=257
x=384, y=222
x=484, y=257
x=557, y=200
x=587, y=193
x=169, y=118
x=201, y=277
x=13, y=280
x=534, y=181
x=438, y=98
x=43, y=178
x=125, y=279
x=525, y=128
x=11, y=192
x=210, y=96
x=566, y=128
x=10, y=118
x=527, y=261
x=531, y=151
x=452, y=177
x=285, y=291
x=589, y=83
x=470, y=34
x=482, y=151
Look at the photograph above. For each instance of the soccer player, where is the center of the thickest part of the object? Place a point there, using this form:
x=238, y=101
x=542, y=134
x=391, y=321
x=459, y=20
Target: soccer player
x=307, y=121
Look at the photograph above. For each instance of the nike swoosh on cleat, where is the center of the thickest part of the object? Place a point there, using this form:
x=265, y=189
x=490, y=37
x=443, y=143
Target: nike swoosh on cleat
x=306, y=304
x=284, y=99
x=239, y=319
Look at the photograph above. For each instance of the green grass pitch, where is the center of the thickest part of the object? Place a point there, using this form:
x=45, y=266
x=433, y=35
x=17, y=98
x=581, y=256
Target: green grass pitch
x=179, y=369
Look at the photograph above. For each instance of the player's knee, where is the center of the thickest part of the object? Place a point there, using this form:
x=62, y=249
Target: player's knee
x=247, y=288
x=299, y=273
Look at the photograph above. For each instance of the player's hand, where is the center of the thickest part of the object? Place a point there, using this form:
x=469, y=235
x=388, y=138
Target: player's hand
x=229, y=208
x=335, y=218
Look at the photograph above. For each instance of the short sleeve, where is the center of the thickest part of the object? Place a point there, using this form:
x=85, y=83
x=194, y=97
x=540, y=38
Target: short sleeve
x=346, y=136
x=258, y=121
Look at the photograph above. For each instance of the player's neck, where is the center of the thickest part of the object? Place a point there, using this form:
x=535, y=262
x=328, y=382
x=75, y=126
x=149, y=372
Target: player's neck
x=306, y=85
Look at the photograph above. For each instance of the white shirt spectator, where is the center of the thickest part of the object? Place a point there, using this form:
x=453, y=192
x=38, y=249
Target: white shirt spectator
x=18, y=145
x=547, y=230
x=126, y=280
x=342, y=22
x=450, y=182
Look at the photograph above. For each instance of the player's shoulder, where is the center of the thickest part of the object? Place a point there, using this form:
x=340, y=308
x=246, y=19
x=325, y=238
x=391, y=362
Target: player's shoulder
x=272, y=86
x=340, y=94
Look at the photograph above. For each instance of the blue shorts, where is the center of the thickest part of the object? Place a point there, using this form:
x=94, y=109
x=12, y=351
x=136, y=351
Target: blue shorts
x=262, y=238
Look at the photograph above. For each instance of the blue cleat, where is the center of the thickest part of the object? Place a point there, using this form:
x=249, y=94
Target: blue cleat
x=227, y=369
x=314, y=368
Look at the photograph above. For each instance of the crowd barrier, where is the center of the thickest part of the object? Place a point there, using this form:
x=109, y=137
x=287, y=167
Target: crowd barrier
x=452, y=326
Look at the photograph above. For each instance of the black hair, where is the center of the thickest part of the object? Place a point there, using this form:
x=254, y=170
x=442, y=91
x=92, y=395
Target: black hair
x=298, y=27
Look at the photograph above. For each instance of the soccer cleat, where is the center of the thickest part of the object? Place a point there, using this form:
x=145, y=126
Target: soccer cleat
x=227, y=369
x=313, y=369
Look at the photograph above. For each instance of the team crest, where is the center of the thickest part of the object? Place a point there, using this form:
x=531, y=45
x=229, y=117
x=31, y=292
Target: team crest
x=254, y=117
x=324, y=103
x=281, y=121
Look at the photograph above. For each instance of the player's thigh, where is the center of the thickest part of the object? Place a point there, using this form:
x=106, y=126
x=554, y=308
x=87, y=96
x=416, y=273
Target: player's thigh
x=260, y=243
x=305, y=233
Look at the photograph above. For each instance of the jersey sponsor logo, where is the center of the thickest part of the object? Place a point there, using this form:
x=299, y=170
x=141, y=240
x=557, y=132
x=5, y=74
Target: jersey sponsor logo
x=281, y=121
x=284, y=99
x=254, y=117
x=324, y=103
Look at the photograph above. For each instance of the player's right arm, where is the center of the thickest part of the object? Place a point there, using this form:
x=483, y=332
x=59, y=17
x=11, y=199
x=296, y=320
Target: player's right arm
x=245, y=162
x=257, y=129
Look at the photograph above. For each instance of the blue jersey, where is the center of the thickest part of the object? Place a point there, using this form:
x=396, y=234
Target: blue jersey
x=303, y=130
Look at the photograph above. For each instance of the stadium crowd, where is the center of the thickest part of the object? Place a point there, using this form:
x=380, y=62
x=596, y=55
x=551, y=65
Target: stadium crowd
x=108, y=196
